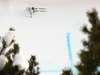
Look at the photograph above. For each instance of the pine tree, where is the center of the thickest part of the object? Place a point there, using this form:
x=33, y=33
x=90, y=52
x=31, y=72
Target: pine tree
x=67, y=72
x=33, y=68
x=9, y=69
x=90, y=54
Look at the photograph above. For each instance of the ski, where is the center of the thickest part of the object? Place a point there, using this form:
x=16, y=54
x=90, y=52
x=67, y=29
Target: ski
x=36, y=9
x=40, y=11
x=27, y=8
x=40, y=8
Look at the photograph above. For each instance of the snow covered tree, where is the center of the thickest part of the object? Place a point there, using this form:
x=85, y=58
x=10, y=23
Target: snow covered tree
x=90, y=54
x=13, y=62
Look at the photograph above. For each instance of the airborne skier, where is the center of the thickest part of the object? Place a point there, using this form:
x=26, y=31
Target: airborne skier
x=30, y=10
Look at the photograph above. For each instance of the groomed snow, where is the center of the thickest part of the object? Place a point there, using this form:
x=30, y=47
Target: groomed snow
x=11, y=4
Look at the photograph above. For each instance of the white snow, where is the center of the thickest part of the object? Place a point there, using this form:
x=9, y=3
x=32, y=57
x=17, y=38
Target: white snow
x=2, y=62
x=21, y=61
x=35, y=68
x=11, y=4
x=44, y=35
x=8, y=37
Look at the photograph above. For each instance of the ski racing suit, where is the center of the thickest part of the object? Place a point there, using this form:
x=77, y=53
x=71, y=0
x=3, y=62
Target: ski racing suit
x=30, y=10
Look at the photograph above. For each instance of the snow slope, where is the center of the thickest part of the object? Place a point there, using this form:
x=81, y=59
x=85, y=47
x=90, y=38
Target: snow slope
x=44, y=35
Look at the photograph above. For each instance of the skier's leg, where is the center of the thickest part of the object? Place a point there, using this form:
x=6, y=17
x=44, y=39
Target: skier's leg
x=30, y=14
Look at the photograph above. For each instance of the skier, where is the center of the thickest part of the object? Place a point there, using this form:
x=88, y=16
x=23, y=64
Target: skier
x=33, y=9
x=30, y=10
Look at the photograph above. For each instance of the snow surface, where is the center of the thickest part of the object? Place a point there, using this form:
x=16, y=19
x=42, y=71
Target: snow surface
x=8, y=37
x=2, y=62
x=11, y=4
x=21, y=61
x=44, y=35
